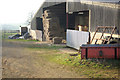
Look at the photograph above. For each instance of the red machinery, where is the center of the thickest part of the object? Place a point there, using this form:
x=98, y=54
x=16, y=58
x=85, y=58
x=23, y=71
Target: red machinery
x=108, y=51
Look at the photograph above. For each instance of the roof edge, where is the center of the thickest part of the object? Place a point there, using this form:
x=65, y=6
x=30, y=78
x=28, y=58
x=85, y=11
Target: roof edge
x=102, y=4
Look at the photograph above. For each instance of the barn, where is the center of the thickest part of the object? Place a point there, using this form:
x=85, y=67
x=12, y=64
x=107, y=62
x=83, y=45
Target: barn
x=55, y=19
x=91, y=14
x=51, y=20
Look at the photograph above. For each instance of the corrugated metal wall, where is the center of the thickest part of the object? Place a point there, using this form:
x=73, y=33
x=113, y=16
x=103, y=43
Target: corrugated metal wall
x=76, y=38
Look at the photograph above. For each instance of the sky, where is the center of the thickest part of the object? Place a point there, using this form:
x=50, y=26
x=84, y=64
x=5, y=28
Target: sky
x=17, y=11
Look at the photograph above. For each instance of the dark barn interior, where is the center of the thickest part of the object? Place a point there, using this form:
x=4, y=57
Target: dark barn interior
x=78, y=18
x=39, y=23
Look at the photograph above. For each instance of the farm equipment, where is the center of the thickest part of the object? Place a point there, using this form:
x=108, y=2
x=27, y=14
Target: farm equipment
x=108, y=49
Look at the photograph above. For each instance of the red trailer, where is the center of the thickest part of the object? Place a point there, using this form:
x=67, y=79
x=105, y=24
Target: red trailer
x=106, y=51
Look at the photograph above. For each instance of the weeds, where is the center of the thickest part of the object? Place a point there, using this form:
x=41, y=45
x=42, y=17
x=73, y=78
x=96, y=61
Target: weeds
x=46, y=46
x=92, y=68
x=76, y=61
x=23, y=40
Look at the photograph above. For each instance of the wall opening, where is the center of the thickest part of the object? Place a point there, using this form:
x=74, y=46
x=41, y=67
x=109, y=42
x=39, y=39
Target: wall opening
x=39, y=24
x=79, y=19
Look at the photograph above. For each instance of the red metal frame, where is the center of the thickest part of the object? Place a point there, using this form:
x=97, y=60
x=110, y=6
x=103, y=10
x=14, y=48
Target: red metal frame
x=66, y=20
x=100, y=52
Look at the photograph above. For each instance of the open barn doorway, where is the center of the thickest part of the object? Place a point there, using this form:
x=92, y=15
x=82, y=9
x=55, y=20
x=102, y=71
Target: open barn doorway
x=78, y=29
x=82, y=21
x=79, y=20
x=39, y=24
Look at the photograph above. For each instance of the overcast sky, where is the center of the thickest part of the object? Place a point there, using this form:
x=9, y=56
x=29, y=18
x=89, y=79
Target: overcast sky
x=17, y=11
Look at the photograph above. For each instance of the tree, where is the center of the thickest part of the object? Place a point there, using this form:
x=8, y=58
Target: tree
x=30, y=16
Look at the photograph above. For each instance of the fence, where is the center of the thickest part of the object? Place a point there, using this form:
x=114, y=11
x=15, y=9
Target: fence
x=76, y=38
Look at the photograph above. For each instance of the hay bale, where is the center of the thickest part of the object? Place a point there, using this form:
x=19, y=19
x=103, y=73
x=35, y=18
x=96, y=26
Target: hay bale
x=51, y=24
x=57, y=40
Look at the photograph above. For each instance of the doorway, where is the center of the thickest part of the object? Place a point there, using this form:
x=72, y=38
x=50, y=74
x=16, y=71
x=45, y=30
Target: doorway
x=82, y=20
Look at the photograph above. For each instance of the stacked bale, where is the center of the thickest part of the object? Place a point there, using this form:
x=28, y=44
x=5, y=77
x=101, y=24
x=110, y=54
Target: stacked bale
x=36, y=34
x=51, y=26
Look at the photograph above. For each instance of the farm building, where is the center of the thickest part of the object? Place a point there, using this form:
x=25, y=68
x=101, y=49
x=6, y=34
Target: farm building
x=54, y=19
x=51, y=20
x=93, y=14
x=23, y=30
x=90, y=15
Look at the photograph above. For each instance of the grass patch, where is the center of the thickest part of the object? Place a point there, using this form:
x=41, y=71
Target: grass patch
x=23, y=40
x=46, y=47
x=91, y=63
x=5, y=35
x=90, y=68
